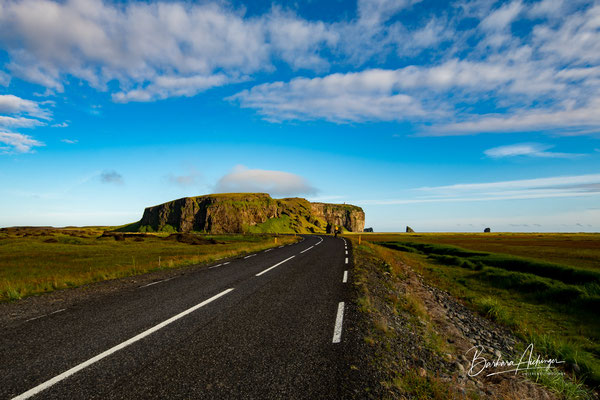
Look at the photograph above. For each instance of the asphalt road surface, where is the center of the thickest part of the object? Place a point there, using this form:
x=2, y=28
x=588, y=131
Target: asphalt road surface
x=269, y=325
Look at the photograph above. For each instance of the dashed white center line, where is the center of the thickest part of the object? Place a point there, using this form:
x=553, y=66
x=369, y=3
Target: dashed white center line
x=346, y=262
x=45, y=315
x=251, y=255
x=227, y=263
x=161, y=281
x=276, y=265
x=346, y=252
x=215, y=266
x=268, y=250
x=307, y=249
x=77, y=368
x=339, y=319
x=345, y=278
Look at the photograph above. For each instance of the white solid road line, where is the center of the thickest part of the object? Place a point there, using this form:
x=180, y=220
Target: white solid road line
x=276, y=265
x=226, y=263
x=346, y=262
x=306, y=249
x=251, y=255
x=66, y=374
x=337, y=331
x=345, y=278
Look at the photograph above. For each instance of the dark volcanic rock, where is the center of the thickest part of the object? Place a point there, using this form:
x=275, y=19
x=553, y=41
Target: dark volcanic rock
x=409, y=230
x=487, y=230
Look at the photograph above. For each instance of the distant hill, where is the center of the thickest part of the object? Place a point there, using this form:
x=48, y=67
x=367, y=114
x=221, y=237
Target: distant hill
x=248, y=213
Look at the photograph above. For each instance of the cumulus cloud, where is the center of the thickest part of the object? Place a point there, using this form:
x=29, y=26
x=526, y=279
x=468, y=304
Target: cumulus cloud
x=153, y=50
x=134, y=44
x=111, y=176
x=534, y=81
x=539, y=80
x=352, y=97
x=527, y=149
x=276, y=183
x=10, y=104
x=22, y=114
x=17, y=143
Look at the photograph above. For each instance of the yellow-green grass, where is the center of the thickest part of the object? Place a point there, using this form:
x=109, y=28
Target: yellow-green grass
x=34, y=261
x=557, y=325
x=581, y=250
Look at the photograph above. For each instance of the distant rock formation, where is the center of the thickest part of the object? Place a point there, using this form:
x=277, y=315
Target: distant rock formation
x=248, y=213
x=487, y=230
x=409, y=230
x=368, y=230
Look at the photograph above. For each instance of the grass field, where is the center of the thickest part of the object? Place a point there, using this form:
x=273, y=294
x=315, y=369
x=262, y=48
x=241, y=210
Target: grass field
x=38, y=260
x=546, y=287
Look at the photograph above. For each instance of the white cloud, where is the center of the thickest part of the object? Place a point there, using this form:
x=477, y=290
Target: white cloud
x=547, y=8
x=169, y=86
x=298, y=41
x=61, y=125
x=375, y=12
x=153, y=50
x=525, y=189
x=17, y=143
x=276, y=183
x=581, y=120
x=353, y=97
x=19, y=122
x=70, y=141
x=527, y=149
x=135, y=44
x=4, y=79
x=10, y=104
x=502, y=17
x=388, y=95
x=556, y=181
x=24, y=114
x=576, y=40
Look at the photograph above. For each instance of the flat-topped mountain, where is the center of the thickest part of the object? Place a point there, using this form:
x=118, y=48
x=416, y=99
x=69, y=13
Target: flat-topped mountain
x=248, y=213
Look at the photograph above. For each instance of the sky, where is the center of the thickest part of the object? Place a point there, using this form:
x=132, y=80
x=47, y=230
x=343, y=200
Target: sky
x=443, y=116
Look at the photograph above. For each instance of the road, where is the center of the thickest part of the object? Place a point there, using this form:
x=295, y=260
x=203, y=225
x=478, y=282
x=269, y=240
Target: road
x=269, y=325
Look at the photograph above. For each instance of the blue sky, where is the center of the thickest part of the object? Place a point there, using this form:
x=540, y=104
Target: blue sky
x=445, y=116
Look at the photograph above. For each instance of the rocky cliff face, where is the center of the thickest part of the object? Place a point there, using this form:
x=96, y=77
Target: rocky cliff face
x=249, y=212
x=352, y=218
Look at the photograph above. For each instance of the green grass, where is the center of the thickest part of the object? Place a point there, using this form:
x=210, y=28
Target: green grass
x=580, y=250
x=34, y=261
x=553, y=305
